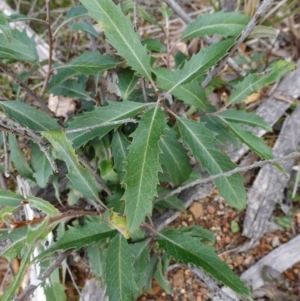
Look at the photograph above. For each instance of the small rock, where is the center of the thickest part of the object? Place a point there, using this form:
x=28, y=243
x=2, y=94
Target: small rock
x=248, y=260
x=275, y=242
x=211, y=209
x=238, y=260
x=183, y=223
x=227, y=239
x=196, y=209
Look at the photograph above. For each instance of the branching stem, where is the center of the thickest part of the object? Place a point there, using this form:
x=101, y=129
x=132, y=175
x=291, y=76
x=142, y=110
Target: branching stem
x=38, y=100
x=291, y=156
x=48, y=22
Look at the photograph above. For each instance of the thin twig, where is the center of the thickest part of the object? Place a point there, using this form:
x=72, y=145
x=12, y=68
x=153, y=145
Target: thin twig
x=48, y=20
x=246, y=32
x=143, y=85
x=3, y=186
x=73, y=281
x=291, y=156
x=46, y=152
x=212, y=284
x=39, y=101
x=6, y=155
x=136, y=22
x=32, y=287
x=96, y=126
x=22, y=131
x=187, y=19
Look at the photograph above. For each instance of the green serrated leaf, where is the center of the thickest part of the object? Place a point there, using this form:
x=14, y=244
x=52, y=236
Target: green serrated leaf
x=71, y=89
x=4, y=27
x=196, y=66
x=41, y=166
x=120, y=34
x=189, y=250
x=127, y=83
x=252, y=82
x=190, y=93
x=85, y=27
x=256, y=144
x=148, y=18
x=80, y=236
x=217, y=126
x=203, y=145
x=114, y=111
x=97, y=253
x=226, y=24
x=42, y=205
x=142, y=167
x=76, y=11
x=9, y=198
x=80, y=177
x=29, y=116
x=55, y=291
x=154, y=45
x=7, y=211
x=119, y=277
x=248, y=118
x=174, y=157
x=172, y=202
x=202, y=61
x=140, y=255
x=162, y=281
x=165, y=11
x=17, y=157
x=199, y=232
x=119, y=146
x=35, y=232
x=90, y=63
x=107, y=171
x=14, y=286
x=33, y=235
x=18, y=48
x=14, y=241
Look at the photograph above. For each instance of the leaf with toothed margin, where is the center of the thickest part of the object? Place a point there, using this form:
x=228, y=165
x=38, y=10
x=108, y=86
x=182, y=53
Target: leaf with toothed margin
x=114, y=111
x=118, y=28
x=189, y=249
x=81, y=178
x=203, y=145
x=226, y=24
x=119, y=274
x=142, y=167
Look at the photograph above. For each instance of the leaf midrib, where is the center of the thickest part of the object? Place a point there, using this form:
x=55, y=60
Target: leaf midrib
x=212, y=159
x=128, y=45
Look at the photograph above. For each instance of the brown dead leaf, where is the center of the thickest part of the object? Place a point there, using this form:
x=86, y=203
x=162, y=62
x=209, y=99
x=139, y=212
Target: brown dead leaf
x=62, y=106
x=252, y=98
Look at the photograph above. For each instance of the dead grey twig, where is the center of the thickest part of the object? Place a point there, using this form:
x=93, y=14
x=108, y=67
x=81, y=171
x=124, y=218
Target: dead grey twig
x=246, y=32
x=231, y=172
x=212, y=284
x=186, y=18
x=13, y=127
x=48, y=21
x=6, y=155
x=31, y=288
x=39, y=101
x=96, y=126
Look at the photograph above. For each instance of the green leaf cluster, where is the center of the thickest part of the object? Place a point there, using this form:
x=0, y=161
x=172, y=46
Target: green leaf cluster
x=126, y=169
